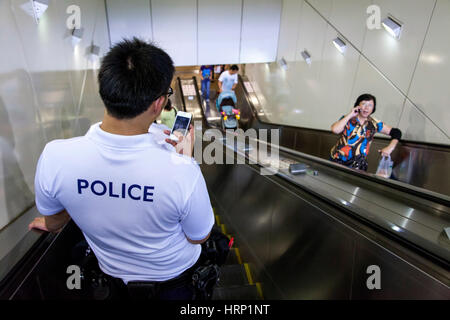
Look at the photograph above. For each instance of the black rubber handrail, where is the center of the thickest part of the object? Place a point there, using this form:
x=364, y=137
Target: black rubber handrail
x=180, y=87
x=197, y=95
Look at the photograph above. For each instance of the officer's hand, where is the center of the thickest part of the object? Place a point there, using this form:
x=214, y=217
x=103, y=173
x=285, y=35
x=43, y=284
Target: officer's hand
x=185, y=145
x=172, y=142
x=38, y=223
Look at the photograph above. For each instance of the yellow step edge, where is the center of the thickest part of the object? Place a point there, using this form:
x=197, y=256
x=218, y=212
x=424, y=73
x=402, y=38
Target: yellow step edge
x=249, y=274
x=217, y=219
x=224, y=230
x=238, y=255
x=259, y=289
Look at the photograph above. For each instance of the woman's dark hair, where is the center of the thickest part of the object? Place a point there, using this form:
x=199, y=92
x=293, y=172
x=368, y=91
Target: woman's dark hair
x=168, y=105
x=132, y=75
x=227, y=102
x=367, y=97
x=234, y=67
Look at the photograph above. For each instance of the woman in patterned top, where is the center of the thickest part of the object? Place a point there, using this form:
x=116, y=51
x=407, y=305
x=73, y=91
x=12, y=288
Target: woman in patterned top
x=357, y=130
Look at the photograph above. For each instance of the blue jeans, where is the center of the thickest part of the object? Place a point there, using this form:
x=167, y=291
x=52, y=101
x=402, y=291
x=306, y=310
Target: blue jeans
x=206, y=83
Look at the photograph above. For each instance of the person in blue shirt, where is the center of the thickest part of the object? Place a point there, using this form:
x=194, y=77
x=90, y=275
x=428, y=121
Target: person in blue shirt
x=206, y=74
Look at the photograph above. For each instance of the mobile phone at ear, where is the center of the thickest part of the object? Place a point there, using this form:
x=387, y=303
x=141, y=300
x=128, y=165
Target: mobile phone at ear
x=181, y=125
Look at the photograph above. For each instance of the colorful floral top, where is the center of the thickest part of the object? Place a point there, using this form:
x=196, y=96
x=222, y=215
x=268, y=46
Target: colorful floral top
x=355, y=141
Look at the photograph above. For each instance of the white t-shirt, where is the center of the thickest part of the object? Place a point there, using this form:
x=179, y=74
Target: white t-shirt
x=228, y=80
x=157, y=132
x=134, y=200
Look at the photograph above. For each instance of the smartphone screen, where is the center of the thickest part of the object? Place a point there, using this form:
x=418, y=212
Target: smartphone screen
x=182, y=122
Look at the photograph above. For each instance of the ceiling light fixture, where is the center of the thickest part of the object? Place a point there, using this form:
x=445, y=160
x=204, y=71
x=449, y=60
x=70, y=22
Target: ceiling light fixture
x=93, y=52
x=283, y=64
x=340, y=45
x=77, y=35
x=306, y=56
x=392, y=27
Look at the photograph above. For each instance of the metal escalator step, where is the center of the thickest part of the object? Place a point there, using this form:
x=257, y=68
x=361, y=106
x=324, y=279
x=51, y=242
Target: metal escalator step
x=245, y=292
x=232, y=257
x=232, y=275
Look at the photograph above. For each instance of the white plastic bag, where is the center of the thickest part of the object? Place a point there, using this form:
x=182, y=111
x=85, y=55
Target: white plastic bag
x=385, y=167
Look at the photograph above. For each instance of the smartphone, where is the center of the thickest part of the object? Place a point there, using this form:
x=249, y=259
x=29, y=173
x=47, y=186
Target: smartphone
x=181, y=125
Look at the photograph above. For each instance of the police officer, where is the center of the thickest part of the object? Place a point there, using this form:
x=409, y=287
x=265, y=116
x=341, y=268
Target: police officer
x=143, y=209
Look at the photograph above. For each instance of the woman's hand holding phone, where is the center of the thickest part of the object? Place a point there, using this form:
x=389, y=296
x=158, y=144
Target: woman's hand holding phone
x=354, y=112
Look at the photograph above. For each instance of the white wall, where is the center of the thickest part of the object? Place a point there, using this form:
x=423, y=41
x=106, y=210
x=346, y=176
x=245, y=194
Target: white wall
x=196, y=32
x=408, y=76
x=219, y=31
x=175, y=29
x=260, y=29
x=127, y=19
x=48, y=90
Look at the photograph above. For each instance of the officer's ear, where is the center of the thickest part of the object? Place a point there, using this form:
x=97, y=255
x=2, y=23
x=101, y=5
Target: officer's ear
x=159, y=104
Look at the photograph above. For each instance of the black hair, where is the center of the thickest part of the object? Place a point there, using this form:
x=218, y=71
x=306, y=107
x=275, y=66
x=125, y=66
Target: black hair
x=367, y=97
x=132, y=75
x=234, y=67
x=227, y=102
x=168, y=105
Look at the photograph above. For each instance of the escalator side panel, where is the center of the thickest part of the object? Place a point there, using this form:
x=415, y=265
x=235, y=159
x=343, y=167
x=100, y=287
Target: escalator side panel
x=302, y=251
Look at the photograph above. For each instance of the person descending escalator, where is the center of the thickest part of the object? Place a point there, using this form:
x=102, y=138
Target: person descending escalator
x=228, y=80
x=206, y=74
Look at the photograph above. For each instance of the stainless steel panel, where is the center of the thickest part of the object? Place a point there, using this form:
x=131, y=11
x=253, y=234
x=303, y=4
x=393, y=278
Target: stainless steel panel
x=311, y=255
x=301, y=251
x=220, y=184
x=250, y=216
x=399, y=279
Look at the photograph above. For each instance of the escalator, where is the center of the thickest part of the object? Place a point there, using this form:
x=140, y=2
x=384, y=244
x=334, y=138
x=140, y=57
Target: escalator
x=236, y=280
x=315, y=235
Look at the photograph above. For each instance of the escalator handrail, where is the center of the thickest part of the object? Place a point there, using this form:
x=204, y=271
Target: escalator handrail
x=197, y=95
x=180, y=87
x=430, y=249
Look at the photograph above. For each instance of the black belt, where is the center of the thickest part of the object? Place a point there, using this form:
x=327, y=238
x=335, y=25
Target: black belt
x=148, y=289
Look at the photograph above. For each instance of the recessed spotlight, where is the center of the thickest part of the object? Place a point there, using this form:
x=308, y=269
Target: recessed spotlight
x=306, y=56
x=93, y=52
x=340, y=45
x=77, y=35
x=392, y=27
x=283, y=64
